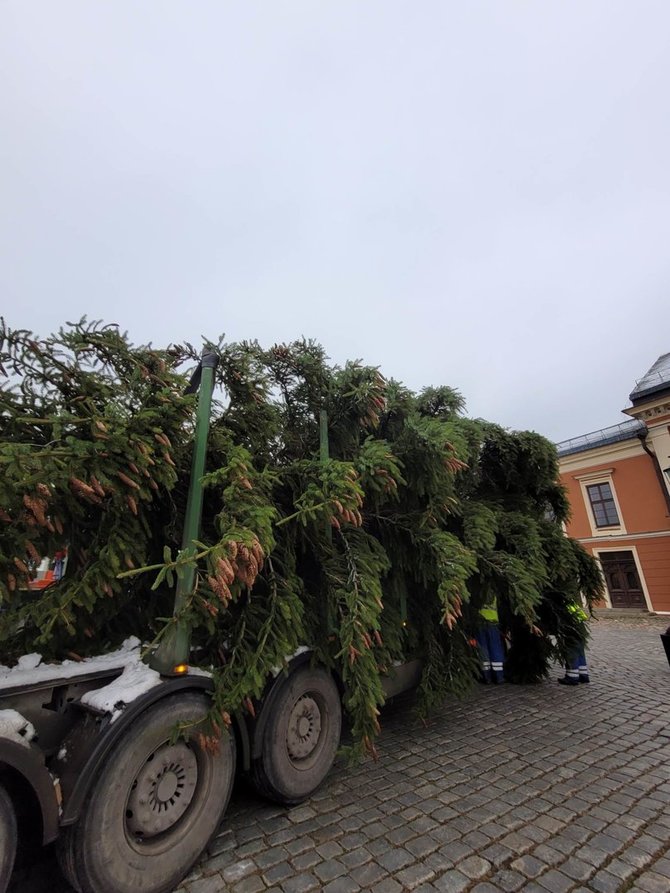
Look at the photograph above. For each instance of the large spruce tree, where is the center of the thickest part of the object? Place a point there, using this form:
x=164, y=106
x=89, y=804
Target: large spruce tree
x=384, y=550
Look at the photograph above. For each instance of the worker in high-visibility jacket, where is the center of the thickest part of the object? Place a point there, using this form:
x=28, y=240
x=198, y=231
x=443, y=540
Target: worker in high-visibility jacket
x=490, y=643
x=576, y=668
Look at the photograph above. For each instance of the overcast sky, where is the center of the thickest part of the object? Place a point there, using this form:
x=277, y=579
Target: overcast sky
x=470, y=193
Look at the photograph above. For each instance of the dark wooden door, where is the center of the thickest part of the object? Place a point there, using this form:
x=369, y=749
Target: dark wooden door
x=623, y=582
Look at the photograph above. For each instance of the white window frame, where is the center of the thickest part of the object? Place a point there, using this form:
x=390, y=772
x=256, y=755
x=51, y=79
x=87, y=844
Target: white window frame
x=601, y=477
x=638, y=567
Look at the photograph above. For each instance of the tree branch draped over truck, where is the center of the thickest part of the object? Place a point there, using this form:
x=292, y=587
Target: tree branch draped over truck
x=382, y=550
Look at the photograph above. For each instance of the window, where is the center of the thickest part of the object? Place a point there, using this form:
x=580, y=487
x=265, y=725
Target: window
x=603, y=505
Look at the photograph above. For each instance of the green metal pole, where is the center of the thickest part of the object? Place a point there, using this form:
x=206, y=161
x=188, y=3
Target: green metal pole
x=324, y=456
x=174, y=649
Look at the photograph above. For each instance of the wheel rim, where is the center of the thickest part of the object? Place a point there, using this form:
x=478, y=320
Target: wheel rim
x=304, y=728
x=162, y=791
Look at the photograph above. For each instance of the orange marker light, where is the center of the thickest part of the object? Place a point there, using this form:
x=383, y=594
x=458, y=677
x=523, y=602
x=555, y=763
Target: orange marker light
x=180, y=669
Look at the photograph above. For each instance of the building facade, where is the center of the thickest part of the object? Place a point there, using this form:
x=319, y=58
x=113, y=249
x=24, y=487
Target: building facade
x=618, y=483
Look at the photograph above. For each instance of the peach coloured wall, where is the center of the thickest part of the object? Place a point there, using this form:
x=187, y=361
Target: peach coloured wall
x=643, y=510
x=654, y=555
x=638, y=491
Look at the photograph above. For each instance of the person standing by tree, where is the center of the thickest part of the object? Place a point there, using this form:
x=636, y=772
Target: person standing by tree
x=576, y=668
x=490, y=643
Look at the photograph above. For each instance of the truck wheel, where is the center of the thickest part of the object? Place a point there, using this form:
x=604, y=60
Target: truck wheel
x=8, y=839
x=155, y=806
x=300, y=738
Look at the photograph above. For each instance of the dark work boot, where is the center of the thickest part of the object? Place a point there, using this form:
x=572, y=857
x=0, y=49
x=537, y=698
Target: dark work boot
x=568, y=680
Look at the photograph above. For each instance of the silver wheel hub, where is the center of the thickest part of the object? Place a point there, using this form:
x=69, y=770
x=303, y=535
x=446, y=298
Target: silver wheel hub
x=304, y=728
x=162, y=791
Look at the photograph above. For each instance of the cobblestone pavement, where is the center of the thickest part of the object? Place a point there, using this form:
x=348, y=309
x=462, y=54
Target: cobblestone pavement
x=538, y=788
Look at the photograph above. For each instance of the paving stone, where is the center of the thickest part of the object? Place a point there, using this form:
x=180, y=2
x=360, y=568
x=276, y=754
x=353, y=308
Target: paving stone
x=305, y=861
x=221, y=861
x=650, y=882
x=415, y=875
x=508, y=881
x=356, y=857
x=352, y=840
x=452, y=882
x=445, y=834
x=422, y=846
x=400, y=836
x=563, y=843
x=388, y=885
x=605, y=882
x=593, y=855
x=606, y=842
x=222, y=843
x=238, y=870
x=455, y=851
x=374, y=829
x=329, y=870
x=528, y=866
x=548, y=854
x=663, y=866
x=395, y=859
x=211, y=884
x=370, y=873
x=378, y=847
x=301, y=814
x=474, y=867
x=537, y=835
x=330, y=849
x=577, y=833
x=251, y=848
x=285, y=835
x=555, y=881
x=342, y=885
x=517, y=843
x=300, y=845
x=273, y=855
x=593, y=823
x=278, y=873
x=301, y=883
x=475, y=839
x=577, y=869
x=251, y=884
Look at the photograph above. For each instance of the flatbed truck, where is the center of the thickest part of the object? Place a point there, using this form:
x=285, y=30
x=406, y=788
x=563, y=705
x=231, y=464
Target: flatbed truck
x=89, y=758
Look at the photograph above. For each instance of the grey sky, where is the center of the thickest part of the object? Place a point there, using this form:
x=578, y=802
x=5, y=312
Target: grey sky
x=471, y=193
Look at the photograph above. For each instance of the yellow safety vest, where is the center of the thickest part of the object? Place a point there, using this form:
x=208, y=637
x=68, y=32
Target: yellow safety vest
x=578, y=612
x=489, y=612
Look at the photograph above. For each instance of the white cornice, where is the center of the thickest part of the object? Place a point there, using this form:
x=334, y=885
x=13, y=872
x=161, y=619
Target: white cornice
x=623, y=537
x=602, y=472
x=650, y=410
x=624, y=449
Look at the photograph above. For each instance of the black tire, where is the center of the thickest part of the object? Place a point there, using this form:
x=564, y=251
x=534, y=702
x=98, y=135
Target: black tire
x=155, y=806
x=300, y=738
x=8, y=839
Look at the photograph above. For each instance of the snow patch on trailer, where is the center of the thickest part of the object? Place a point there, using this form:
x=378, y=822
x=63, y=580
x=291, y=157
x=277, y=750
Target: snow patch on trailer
x=16, y=727
x=137, y=679
x=31, y=671
x=301, y=649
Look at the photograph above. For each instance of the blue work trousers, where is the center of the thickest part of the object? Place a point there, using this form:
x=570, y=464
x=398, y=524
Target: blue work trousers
x=576, y=665
x=492, y=653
